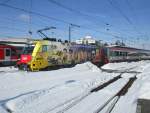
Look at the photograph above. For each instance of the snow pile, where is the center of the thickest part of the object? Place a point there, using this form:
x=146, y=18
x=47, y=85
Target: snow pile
x=87, y=66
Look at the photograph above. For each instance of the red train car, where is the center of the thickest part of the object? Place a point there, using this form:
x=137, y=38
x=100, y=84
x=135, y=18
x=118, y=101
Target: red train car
x=8, y=55
x=119, y=54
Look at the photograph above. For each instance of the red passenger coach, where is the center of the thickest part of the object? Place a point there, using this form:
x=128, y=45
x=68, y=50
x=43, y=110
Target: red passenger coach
x=8, y=55
x=119, y=54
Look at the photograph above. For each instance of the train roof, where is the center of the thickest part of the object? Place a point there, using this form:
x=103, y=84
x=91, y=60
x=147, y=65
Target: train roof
x=6, y=46
x=115, y=47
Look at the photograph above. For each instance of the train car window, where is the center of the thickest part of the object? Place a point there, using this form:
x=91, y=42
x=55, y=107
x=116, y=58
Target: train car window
x=124, y=53
x=116, y=53
x=7, y=52
x=121, y=54
x=44, y=48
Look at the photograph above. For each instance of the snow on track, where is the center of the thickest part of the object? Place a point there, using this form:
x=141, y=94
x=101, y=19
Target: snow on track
x=141, y=65
x=52, y=91
x=127, y=103
x=40, y=91
x=97, y=99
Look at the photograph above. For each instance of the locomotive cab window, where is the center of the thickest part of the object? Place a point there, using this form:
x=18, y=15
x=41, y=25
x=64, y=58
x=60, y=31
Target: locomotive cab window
x=28, y=49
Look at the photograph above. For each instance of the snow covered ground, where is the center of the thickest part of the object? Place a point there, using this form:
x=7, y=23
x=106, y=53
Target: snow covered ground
x=68, y=90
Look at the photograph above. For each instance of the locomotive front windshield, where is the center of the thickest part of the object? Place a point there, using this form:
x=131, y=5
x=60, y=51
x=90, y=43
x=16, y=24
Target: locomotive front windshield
x=28, y=49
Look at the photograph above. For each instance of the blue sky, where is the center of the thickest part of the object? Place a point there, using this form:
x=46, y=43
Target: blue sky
x=104, y=20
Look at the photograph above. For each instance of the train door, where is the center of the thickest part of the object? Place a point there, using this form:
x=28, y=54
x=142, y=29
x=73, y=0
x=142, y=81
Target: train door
x=7, y=56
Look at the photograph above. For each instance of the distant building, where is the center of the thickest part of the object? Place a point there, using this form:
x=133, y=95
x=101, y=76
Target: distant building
x=86, y=40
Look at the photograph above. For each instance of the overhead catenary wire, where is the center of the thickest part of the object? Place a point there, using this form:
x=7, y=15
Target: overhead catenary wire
x=75, y=11
x=52, y=18
x=20, y=21
x=83, y=14
x=13, y=28
x=32, y=12
x=118, y=9
x=138, y=31
x=5, y=1
x=132, y=10
x=58, y=20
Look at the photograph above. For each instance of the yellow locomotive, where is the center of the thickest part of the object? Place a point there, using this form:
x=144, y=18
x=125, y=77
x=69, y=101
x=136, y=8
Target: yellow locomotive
x=48, y=52
x=42, y=54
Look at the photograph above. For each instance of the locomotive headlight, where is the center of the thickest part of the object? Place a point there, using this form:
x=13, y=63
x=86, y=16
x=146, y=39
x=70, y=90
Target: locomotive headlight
x=26, y=58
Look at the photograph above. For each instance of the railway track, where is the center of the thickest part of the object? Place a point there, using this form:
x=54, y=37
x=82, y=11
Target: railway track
x=72, y=102
x=117, y=96
x=120, y=71
x=65, y=106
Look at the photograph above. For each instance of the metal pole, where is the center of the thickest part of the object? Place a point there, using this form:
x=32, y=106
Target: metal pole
x=70, y=26
x=69, y=33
